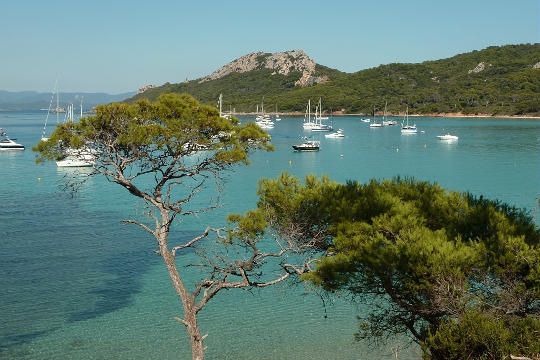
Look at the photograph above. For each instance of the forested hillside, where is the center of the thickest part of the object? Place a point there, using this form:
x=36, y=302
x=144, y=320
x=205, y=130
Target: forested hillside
x=501, y=80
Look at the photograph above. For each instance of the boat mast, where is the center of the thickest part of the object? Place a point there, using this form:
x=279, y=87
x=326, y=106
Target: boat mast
x=220, y=104
x=48, y=111
x=407, y=115
x=57, y=106
x=81, y=108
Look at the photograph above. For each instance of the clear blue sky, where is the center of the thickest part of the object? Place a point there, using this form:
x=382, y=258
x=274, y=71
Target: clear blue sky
x=119, y=45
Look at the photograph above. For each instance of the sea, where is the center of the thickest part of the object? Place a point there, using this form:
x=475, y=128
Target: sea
x=78, y=284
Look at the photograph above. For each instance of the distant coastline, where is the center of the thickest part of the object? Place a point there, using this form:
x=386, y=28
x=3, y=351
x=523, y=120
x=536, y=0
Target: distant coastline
x=445, y=115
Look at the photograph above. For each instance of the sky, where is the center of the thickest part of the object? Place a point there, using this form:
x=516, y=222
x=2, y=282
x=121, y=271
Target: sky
x=117, y=46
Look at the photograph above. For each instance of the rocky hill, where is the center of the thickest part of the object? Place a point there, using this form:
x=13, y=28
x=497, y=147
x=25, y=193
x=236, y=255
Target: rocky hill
x=283, y=63
x=502, y=80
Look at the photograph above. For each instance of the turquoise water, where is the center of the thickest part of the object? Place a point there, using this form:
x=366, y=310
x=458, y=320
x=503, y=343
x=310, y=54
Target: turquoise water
x=77, y=284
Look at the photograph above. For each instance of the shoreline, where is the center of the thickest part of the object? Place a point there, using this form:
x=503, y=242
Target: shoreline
x=441, y=115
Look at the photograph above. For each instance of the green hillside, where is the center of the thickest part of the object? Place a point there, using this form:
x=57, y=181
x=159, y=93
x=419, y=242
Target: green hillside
x=509, y=84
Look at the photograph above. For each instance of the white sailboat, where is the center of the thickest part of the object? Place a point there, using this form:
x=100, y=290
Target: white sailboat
x=319, y=116
x=43, y=137
x=319, y=126
x=220, y=105
x=263, y=120
x=385, y=121
x=406, y=128
x=375, y=124
x=82, y=157
x=277, y=117
x=308, y=123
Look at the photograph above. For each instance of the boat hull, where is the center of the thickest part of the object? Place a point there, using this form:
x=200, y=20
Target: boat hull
x=305, y=148
x=11, y=147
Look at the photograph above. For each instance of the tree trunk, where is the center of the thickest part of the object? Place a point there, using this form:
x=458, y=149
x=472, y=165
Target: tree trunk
x=188, y=302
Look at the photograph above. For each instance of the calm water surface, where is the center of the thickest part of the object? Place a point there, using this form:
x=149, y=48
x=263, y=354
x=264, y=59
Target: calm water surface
x=77, y=284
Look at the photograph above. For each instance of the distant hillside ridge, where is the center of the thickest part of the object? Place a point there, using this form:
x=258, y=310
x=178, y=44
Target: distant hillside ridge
x=498, y=80
x=33, y=100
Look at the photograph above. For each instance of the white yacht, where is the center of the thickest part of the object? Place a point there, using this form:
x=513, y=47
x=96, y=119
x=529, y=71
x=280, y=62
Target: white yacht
x=447, y=137
x=335, y=135
x=8, y=144
x=390, y=123
x=365, y=120
x=77, y=158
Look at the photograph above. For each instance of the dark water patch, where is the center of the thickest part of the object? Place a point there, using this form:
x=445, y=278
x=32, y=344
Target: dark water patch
x=124, y=273
x=13, y=340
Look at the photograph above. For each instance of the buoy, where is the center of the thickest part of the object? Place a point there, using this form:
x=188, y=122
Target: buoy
x=341, y=155
x=397, y=150
x=290, y=162
x=39, y=179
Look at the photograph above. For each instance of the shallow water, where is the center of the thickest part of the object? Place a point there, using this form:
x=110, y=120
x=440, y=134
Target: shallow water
x=77, y=284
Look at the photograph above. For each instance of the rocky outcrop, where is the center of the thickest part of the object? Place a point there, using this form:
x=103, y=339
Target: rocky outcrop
x=280, y=63
x=537, y=65
x=479, y=68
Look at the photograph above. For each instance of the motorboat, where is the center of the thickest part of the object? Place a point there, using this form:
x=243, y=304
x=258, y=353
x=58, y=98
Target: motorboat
x=365, y=120
x=264, y=123
x=389, y=123
x=447, y=137
x=322, y=127
x=308, y=145
x=409, y=129
x=8, y=144
x=336, y=135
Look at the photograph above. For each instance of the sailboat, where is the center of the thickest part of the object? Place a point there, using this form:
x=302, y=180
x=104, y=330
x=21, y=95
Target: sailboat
x=319, y=126
x=375, y=124
x=49, y=110
x=263, y=120
x=277, y=117
x=386, y=122
x=220, y=105
x=82, y=157
x=408, y=129
x=319, y=115
x=308, y=123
